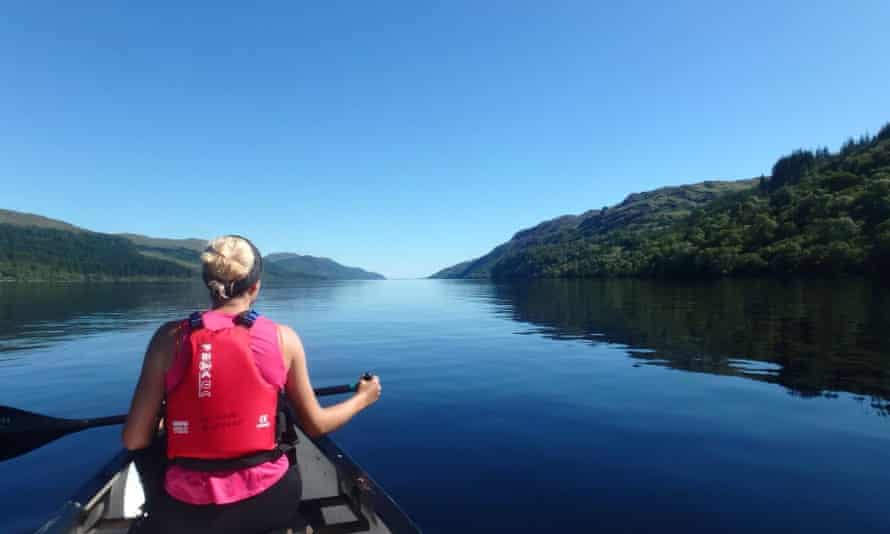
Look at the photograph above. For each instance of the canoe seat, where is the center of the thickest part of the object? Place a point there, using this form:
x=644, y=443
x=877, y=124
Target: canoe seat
x=334, y=515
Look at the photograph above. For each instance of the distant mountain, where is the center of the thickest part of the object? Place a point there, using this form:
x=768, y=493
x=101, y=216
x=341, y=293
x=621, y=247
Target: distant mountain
x=19, y=218
x=46, y=253
x=818, y=213
x=197, y=245
x=185, y=252
x=34, y=247
x=37, y=248
x=638, y=213
x=313, y=267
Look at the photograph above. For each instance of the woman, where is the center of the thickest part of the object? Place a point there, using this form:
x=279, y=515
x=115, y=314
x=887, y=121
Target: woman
x=220, y=372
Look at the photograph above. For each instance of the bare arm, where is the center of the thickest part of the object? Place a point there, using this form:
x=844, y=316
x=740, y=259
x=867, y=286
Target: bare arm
x=142, y=420
x=318, y=420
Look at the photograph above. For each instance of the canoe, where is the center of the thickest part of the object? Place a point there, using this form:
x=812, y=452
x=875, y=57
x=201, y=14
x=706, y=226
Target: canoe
x=339, y=497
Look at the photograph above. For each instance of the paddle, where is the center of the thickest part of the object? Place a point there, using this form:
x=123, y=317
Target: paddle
x=345, y=388
x=22, y=431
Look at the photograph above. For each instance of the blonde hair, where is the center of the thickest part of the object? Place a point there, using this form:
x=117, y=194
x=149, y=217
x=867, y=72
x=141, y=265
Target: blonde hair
x=226, y=260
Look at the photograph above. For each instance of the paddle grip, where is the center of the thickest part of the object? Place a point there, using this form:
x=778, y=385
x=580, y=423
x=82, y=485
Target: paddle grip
x=334, y=390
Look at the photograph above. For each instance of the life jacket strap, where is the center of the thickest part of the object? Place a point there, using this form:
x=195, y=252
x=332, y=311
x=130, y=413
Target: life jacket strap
x=245, y=319
x=231, y=464
x=195, y=321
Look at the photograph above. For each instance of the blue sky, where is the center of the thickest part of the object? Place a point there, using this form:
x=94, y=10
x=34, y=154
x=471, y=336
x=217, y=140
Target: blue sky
x=404, y=137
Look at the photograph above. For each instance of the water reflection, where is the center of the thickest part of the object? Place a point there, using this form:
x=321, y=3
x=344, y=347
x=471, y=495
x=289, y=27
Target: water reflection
x=700, y=452
x=35, y=316
x=38, y=315
x=813, y=337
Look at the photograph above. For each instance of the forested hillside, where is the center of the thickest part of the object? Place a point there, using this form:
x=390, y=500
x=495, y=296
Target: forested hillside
x=33, y=253
x=289, y=264
x=19, y=218
x=34, y=248
x=818, y=213
x=639, y=213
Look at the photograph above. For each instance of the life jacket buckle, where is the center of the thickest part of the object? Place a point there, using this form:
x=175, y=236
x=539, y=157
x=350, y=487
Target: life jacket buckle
x=247, y=318
x=195, y=321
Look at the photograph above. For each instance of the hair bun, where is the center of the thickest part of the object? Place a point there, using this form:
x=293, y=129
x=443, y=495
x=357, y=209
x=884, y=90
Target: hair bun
x=227, y=259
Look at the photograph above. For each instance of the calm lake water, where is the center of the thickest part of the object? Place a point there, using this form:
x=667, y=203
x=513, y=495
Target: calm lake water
x=571, y=406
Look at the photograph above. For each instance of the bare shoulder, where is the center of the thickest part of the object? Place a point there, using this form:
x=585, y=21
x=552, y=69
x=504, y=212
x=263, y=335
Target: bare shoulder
x=290, y=340
x=288, y=334
x=167, y=332
x=163, y=342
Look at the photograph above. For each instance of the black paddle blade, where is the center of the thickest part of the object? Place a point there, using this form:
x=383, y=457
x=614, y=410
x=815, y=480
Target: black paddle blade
x=13, y=421
x=16, y=445
x=22, y=431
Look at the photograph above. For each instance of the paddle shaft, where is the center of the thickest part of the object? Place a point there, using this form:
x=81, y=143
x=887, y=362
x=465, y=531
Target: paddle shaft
x=82, y=424
x=103, y=421
x=96, y=422
x=22, y=431
x=335, y=390
x=344, y=388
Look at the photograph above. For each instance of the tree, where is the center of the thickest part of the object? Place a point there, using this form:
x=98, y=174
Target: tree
x=791, y=169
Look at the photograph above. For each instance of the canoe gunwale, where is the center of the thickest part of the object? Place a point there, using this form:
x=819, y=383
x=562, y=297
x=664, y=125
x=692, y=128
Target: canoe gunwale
x=395, y=519
x=72, y=510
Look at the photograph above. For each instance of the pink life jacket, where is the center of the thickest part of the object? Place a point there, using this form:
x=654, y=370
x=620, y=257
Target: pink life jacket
x=222, y=413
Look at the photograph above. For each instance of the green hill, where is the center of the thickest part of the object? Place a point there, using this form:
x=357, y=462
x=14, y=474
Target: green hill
x=197, y=245
x=42, y=253
x=287, y=263
x=818, y=213
x=18, y=218
x=37, y=248
x=185, y=252
x=638, y=213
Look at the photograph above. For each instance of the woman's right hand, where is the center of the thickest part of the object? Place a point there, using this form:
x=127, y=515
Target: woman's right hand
x=369, y=389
